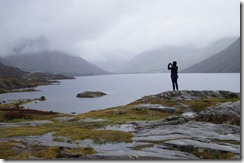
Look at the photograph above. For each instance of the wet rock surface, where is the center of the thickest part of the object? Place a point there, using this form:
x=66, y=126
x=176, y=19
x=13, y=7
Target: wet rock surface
x=222, y=113
x=156, y=107
x=181, y=136
x=210, y=133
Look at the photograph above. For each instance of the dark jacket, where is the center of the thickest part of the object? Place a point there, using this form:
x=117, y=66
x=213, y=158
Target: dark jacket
x=174, y=70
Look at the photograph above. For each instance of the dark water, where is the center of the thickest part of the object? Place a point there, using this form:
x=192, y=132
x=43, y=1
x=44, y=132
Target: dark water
x=121, y=89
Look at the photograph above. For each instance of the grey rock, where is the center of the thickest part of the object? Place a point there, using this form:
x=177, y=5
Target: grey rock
x=221, y=113
x=159, y=138
x=19, y=147
x=127, y=127
x=170, y=154
x=155, y=107
x=151, y=153
x=188, y=144
x=64, y=119
x=91, y=120
x=191, y=136
x=35, y=123
x=8, y=125
x=173, y=120
x=193, y=129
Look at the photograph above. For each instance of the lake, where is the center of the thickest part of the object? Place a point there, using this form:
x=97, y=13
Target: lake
x=120, y=89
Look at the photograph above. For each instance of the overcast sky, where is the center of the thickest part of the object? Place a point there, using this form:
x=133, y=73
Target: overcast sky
x=103, y=29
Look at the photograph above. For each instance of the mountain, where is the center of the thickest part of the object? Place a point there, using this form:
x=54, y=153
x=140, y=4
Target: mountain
x=157, y=59
x=11, y=72
x=53, y=62
x=14, y=78
x=226, y=61
x=212, y=49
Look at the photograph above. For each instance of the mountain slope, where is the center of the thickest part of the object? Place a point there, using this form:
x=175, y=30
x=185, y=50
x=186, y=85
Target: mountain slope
x=156, y=60
x=212, y=49
x=14, y=78
x=53, y=62
x=227, y=61
x=12, y=72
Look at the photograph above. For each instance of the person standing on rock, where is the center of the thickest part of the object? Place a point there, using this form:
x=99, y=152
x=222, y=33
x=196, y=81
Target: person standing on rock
x=174, y=74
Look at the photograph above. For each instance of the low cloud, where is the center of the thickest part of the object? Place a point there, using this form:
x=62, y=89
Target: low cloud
x=98, y=30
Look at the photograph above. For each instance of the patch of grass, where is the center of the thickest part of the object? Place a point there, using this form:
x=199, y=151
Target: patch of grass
x=198, y=105
x=59, y=139
x=44, y=152
x=81, y=151
x=23, y=131
x=120, y=115
x=21, y=115
x=22, y=90
x=98, y=136
x=234, y=99
x=226, y=141
x=6, y=151
x=14, y=150
x=16, y=120
x=16, y=103
x=206, y=154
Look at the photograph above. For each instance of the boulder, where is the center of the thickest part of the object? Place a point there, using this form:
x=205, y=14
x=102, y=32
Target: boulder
x=89, y=94
x=228, y=113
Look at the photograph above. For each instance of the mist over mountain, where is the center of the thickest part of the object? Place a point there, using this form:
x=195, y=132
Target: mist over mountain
x=35, y=55
x=113, y=65
x=53, y=62
x=39, y=44
x=226, y=61
x=212, y=49
x=157, y=59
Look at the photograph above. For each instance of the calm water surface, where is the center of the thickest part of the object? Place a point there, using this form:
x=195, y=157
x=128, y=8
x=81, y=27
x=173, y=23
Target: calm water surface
x=121, y=90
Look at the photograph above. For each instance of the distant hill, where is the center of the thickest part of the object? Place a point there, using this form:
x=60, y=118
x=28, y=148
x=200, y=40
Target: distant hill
x=14, y=78
x=53, y=62
x=212, y=49
x=12, y=72
x=156, y=60
x=227, y=61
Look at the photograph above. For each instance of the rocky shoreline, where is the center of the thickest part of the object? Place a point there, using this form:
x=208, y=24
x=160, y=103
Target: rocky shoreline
x=15, y=80
x=184, y=125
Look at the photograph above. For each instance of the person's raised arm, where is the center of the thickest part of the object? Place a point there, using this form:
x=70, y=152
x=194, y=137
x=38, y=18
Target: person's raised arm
x=169, y=66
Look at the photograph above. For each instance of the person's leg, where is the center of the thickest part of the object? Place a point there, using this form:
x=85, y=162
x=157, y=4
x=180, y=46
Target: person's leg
x=176, y=84
x=172, y=79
